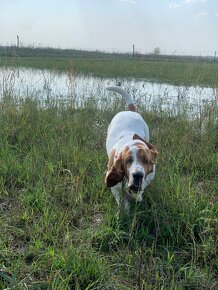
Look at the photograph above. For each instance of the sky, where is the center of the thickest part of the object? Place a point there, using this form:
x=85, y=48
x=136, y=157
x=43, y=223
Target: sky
x=184, y=27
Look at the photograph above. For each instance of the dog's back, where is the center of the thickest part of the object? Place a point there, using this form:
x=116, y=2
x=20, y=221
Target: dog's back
x=125, y=124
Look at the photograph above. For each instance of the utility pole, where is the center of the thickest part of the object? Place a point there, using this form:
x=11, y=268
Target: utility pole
x=214, y=58
x=18, y=41
x=133, y=50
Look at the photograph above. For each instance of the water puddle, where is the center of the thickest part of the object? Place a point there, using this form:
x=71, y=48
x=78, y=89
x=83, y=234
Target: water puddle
x=48, y=85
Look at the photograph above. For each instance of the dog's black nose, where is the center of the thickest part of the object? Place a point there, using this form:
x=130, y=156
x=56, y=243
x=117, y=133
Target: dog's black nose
x=137, y=181
x=137, y=178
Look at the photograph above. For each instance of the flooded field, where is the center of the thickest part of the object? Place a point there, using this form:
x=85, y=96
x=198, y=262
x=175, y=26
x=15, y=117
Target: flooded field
x=47, y=85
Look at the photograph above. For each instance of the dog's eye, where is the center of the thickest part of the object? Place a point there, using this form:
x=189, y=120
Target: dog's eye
x=129, y=160
x=144, y=160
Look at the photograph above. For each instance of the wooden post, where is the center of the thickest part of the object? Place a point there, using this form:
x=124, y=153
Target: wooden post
x=18, y=41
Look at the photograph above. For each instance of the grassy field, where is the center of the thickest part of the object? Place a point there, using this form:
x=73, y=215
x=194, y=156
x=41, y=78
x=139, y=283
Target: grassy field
x=59, y=224
x=168, y=69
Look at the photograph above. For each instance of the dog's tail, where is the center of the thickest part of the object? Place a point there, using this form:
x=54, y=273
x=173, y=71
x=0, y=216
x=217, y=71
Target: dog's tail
x=125, y=95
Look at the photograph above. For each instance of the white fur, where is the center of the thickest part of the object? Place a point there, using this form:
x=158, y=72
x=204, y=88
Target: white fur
x=122, y=128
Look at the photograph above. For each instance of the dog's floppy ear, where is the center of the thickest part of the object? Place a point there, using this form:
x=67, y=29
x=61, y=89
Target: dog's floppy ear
x=115, y=171
x=150, y=146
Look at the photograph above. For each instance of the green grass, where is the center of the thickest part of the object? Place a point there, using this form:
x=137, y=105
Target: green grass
x=59, y=224
x=171, y=70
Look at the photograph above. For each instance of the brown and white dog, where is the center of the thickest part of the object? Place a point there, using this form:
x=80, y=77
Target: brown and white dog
x=131, y=156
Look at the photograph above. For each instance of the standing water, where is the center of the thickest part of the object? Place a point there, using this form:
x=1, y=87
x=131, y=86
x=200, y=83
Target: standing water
x=48, y=85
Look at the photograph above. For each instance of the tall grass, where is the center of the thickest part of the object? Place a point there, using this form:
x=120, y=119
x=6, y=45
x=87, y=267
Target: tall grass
x=59, y=224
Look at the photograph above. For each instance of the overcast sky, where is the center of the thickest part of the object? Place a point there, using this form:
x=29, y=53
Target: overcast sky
x=175, y=26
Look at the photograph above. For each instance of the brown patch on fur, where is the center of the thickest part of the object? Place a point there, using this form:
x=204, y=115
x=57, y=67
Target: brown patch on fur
x=126, y=157
x=131, y=107
x=111, y=160
x=150, y=146
x=115, y=171
x=146, y=159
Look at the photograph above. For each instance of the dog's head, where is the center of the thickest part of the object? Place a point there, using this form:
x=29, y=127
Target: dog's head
x=135, y=163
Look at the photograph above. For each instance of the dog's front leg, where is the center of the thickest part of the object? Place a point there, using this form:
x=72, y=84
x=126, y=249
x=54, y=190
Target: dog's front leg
x=121, y=200
x=117, y=192
x=126, y=206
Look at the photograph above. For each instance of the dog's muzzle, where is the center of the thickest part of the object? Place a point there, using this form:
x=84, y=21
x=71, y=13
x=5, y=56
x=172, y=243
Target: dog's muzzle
x=140, y=182
x=137, y=182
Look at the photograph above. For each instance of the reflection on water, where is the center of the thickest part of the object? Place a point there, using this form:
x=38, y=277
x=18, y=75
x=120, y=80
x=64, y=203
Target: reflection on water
x=48, y=85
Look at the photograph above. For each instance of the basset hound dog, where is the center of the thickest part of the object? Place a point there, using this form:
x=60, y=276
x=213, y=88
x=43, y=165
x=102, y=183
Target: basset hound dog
x=131, y=157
